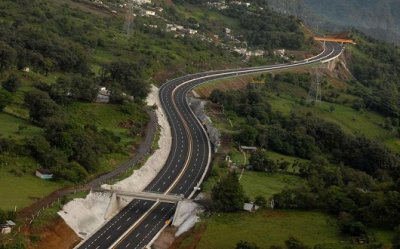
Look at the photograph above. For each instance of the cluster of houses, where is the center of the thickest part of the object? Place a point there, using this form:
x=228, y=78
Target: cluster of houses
x=104, y=95
x=249, y=53
x=180, y=28
x=112, y=7
x=221, y=5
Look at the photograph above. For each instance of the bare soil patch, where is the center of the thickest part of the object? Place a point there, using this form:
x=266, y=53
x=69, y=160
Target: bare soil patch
x=56, y=234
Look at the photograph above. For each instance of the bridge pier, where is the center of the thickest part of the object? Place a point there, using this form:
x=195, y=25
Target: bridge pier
x=112, y=207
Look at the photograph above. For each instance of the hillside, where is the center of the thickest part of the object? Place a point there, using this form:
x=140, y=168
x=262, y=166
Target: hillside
x=74, y=79
x=75, y=74
x=379, y=19
x=332, y=166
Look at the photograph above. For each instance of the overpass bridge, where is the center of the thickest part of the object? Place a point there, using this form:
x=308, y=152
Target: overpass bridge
x=149, y=196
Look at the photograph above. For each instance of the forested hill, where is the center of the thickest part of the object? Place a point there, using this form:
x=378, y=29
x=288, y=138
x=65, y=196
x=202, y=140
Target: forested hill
x=377, y=18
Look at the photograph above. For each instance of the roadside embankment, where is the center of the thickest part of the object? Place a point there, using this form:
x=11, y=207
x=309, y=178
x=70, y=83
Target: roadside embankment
x=85, y=216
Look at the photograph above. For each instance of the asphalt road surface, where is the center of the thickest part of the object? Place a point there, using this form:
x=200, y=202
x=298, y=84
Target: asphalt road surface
x=140, y=221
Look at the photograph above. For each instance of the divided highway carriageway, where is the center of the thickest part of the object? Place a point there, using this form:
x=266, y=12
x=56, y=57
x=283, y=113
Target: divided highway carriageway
x=140, y=221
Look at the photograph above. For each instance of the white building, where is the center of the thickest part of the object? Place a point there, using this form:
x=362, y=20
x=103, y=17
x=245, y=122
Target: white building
x=241, y=51
x=44, y=174
x=140, y=2
x=280, y=52
x=150, y=13
x=192, y=31
x=250, y=207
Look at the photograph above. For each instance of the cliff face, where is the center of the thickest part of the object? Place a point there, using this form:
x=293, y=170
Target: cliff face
x=377, y=18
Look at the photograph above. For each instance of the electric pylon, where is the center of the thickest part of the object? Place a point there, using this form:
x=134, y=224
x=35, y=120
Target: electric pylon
x=129, y=18
x=315, y=92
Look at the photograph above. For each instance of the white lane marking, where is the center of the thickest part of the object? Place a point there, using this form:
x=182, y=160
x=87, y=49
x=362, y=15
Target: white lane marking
x=254, y=70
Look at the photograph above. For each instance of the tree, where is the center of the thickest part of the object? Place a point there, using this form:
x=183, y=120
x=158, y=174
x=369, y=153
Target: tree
x=117, y=96
x=228, y=194
x=41, y=106
x=3, y=217
x=248, y=135
x=12, y=83
x=7, y=55
x=128, y=76
x=246, y=245
x=260, y=201
x=293, y=243
x=396, y=239
x=261, y=162
x=217, y=96
x=5, y=99
x=73, y=172
x=84, y=88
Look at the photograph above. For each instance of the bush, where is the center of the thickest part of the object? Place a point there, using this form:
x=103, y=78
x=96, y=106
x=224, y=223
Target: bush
x=5, y=99
x=260, y=201
x=12, y=84
x=228, y=194
x=246, y=245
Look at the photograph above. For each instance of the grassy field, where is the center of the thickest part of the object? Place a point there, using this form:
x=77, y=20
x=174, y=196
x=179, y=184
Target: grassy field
x=260, y=183
x=267, y=228
x=15, y=127
x=350, y=120
x=224, y=84
x=22, y=191
x=18, y=184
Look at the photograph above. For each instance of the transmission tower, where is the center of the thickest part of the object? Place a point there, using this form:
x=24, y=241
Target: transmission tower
x=129, y=18
x=315, y=92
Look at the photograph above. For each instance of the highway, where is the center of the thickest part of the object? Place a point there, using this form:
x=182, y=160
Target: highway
x=140, y=221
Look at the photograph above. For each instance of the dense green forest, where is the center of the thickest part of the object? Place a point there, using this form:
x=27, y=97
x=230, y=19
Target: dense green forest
x=376, y=65
x=378, y=19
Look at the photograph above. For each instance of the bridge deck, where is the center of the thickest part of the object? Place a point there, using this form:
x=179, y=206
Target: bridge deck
x=144, y=195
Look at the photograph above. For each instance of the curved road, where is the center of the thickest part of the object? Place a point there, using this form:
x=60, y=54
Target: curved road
x=140, y=221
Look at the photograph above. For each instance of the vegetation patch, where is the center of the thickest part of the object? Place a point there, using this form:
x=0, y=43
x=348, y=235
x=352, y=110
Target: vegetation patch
x=22, y=189
x=266, y=185
x=270, y=228
x=16, y=128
